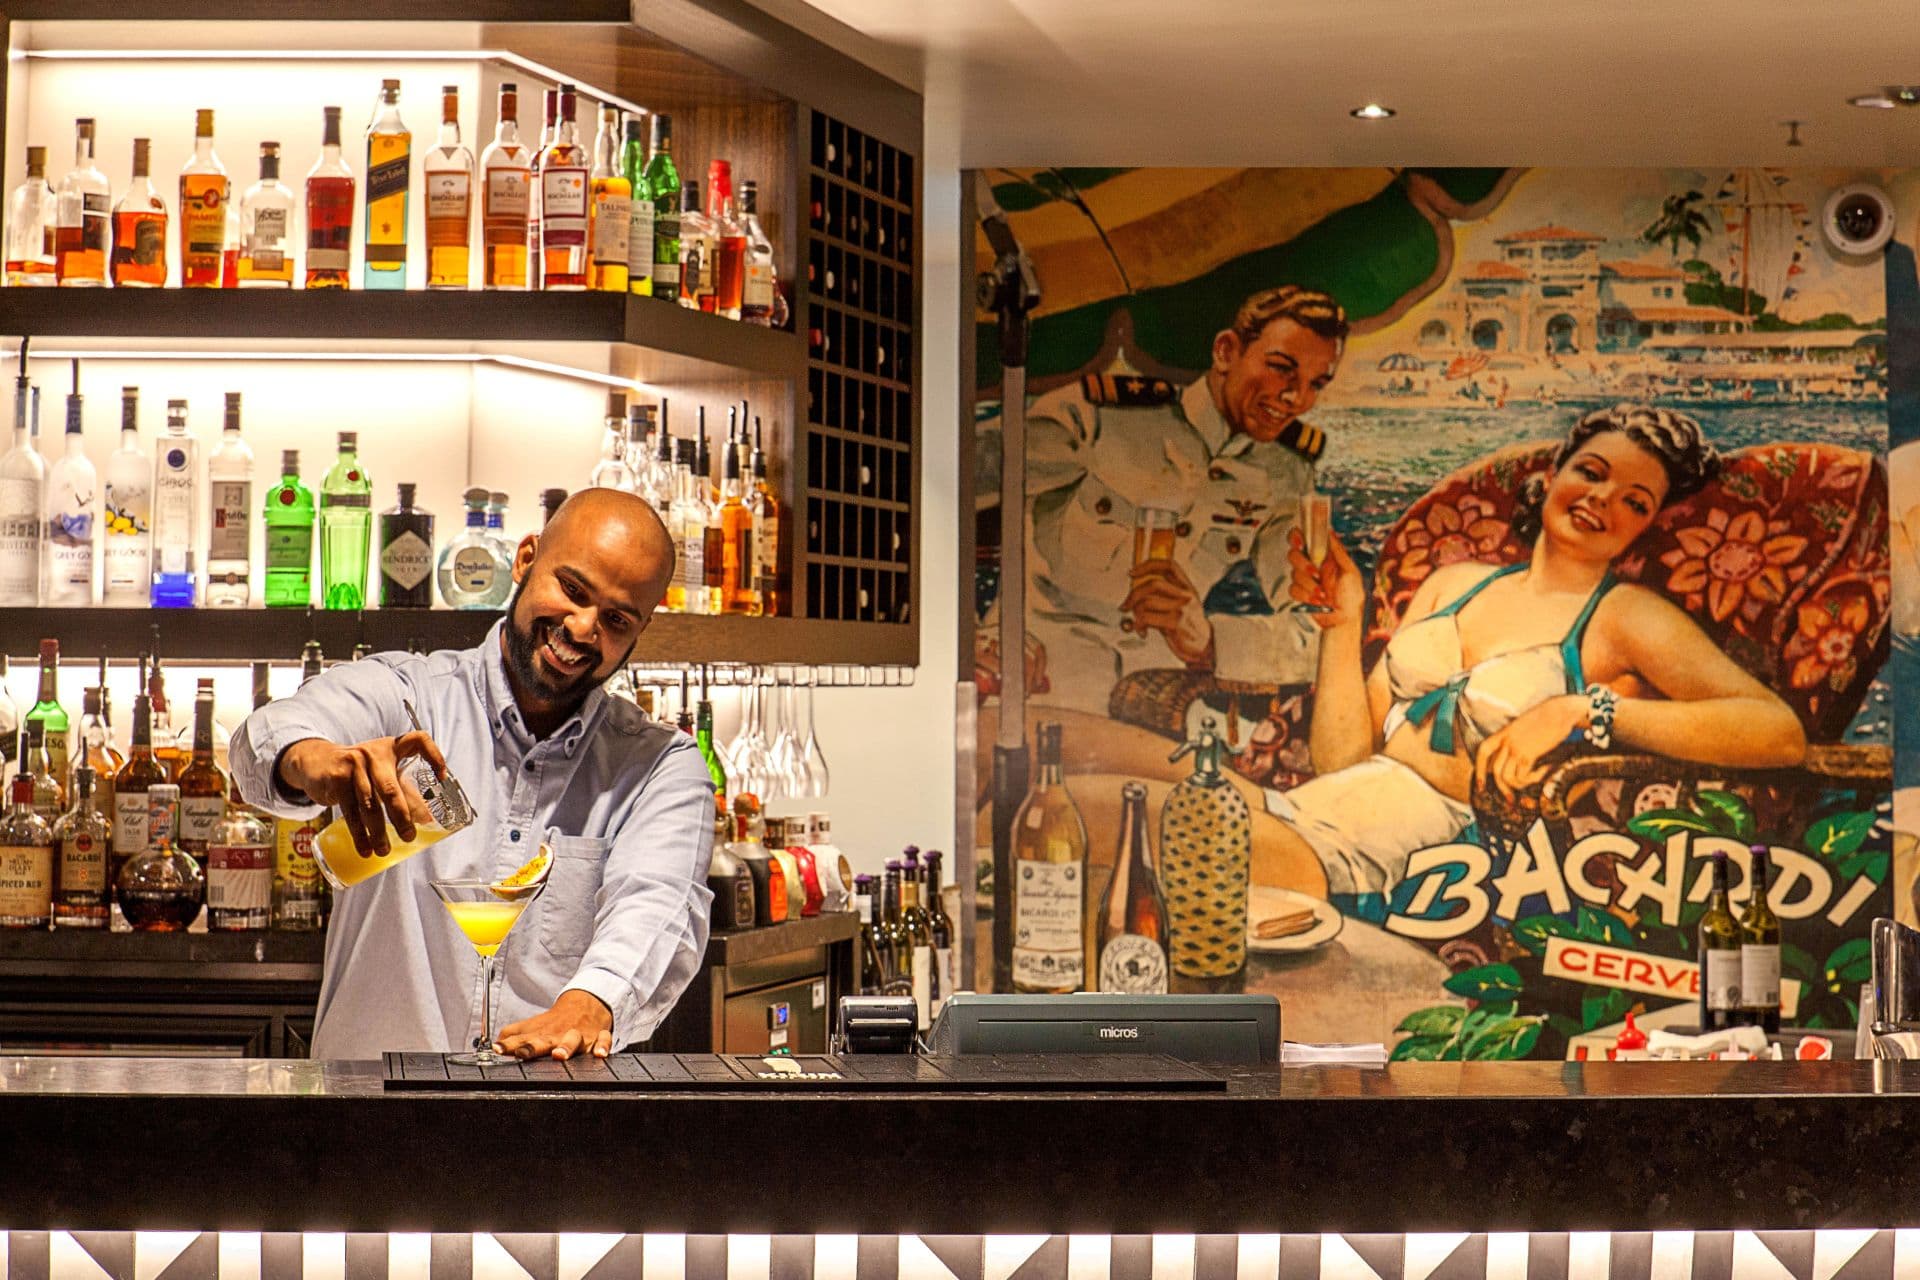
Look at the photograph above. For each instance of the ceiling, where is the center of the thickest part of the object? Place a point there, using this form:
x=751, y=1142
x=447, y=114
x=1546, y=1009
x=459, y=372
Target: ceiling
x=1475, y=82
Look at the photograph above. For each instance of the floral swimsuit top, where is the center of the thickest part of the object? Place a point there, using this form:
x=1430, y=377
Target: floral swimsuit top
x=1463, y=706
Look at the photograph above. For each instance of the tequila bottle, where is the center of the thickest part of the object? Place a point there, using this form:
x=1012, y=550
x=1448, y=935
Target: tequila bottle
x=389, y=172
x=176, y=511
x=505, y=168
x=140, y=228
x=266, y=228
x=497, y=528
x=289, y=521
x=23, y=495
x=126, y=550
x=346, y=527
x=449, y=177
x=471, y=573
x=82, y=209
x=229, y=536
x=610, y=209
x=204, y=193
x=32, y=223
x=330, y=200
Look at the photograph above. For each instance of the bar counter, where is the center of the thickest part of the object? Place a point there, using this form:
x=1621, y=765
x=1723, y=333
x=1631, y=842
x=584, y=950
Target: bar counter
x=1537, y=1147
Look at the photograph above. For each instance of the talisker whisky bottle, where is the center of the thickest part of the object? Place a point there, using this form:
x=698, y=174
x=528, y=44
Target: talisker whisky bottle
x=1050, y=879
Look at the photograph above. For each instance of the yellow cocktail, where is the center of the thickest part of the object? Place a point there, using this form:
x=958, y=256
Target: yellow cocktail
x=485, y=911
x=345, y=865
x=486, y=923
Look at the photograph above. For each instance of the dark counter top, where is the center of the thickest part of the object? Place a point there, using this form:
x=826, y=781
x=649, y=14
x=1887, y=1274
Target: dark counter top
x=1413, y=1147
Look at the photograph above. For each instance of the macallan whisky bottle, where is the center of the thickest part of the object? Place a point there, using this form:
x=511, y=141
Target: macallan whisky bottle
x=449, y=179
x=204, y=193
x=505, y=171
x=563, y=202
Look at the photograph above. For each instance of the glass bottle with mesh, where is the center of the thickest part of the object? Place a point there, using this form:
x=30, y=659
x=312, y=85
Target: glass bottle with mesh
x=1206, y=860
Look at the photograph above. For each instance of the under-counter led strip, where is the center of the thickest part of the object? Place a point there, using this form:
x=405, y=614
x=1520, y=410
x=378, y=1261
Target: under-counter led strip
x=345, y=357
x=528, y=65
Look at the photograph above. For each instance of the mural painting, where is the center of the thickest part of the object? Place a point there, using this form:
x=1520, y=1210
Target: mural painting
x=1428, y=572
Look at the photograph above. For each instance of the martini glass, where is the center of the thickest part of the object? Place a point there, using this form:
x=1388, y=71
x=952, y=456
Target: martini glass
x=485, y=911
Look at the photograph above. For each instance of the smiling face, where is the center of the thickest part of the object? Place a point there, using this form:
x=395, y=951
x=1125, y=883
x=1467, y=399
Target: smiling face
x=1604, y=496
x=1262, y=386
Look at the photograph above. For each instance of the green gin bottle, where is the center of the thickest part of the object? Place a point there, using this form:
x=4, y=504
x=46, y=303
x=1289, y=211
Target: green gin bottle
x=346, y=528
x=663, y=186
x=289, y=520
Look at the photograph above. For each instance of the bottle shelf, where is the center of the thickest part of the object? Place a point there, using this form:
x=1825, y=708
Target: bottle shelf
x=277, y=635
x=699, y=344
x=295, y=10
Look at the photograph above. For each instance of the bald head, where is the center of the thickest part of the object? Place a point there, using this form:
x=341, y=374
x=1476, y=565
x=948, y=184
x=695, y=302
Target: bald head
x=617, y=531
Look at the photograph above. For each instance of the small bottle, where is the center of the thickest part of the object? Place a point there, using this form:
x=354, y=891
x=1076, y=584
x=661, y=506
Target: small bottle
x=289, y=521
x=767, y=531
x=699, y=242
x=23, y=497
x=497, y=529
x=346, y=526
x=868, y=979
x=389, y=173
x=204, y=193
x=176, y=512
x=47, y=712
x=161, y=888
x=171, y=741
x=506, y=169
x=73, y=510
x=83, y=206
x=687, y=522
x=612, y=471
x=946, y=973
x=563, y=202
x=330, y=202
x=240, y=868
x=136, y=778
x=266, y=228
x=663, y=184
x=203, y=788
x=26, y=863
x=609, y=209
x=633, y=163
x=230, y=509
x=760, y=299
x=470, y=572
x=97, y=751
x=406, y=555
x=33, y=219
x=919, y=929
x=551, y=500
x=730, y=240
x=81, y=839
x=448, y=167
x=1760, y=948
x=1718, y=935
x=126, y=548
x=714, y=555
x=736, y=536
x=1049, y=889
x=663, y=484
x=140, y=228
x=1130, y=937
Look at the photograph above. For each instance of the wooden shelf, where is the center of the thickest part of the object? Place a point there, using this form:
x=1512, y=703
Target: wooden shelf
x=277, y=635
x=296, y=10
x=692, y=343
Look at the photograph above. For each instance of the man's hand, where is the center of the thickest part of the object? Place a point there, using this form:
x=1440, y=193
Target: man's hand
x=364, y=783
x=576, y=1022
x=1163, y=599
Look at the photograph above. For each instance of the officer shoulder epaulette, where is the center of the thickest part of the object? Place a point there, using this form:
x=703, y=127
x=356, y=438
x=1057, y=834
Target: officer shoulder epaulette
x=1127, y=390
x=1304, y=439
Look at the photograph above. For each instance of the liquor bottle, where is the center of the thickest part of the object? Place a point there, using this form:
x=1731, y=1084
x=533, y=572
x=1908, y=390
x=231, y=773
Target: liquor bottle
x=406, y=555
x=609, y=209
x=140, y=228
x=913, y=917
x=868, y=979
x=96, y=749
x=1760, y=948
x=1050, y=879
x=73, y=509
x=1130, y=937
x=612, y=471
x=551, y=500
x=1718, y=936
x=289, y=520
x=639, y=450
x=448, y=167
x=536, y=261
x=346, y=526
x=80, y=217
x=946, y=973
x=758, y=303
x=767, y=520
x=699, y=242
x=33, y=219
x=505, y=167
x=563, y=202
x=80, y=841
x=265, y=241
x=49, y=792
x=296, y=888
x=389, y=172
x=26, y=863
x=730, y=240
x=136, y=778
x=240, y=868
x=900, y=937
x=663, y=484
x=126, y=549
x=330, y=201
x=633, y=164
x=204, y=192
x=230, y=508
x=736, y=536
x=203, y=788
x=703, y=738
x=230, y=256
x=1206, y=855
x=171, y=742
x=497, y=529
x=47, y=711
x=161, y=888
x=176, y=513
x=663, y=185
x=23, y=496
x=687, y=522
x=470, y=573
x=713, y=550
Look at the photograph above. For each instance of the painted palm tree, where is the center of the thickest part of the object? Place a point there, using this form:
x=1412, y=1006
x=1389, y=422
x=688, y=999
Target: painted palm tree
x=1678, y=221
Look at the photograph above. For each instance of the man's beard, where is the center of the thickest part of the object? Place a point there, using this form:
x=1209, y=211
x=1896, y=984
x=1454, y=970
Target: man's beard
x=523, y=642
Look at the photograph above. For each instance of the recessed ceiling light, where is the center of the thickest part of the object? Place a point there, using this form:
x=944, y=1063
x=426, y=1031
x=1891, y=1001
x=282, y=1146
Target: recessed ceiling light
x=1372, y=111
x=1894, y=95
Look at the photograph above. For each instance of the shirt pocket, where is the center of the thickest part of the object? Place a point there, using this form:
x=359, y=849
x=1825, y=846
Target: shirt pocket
x=567, y=903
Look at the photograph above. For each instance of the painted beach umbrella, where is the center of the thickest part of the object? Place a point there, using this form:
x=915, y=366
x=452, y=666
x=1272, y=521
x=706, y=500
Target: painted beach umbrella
x=1400, y=361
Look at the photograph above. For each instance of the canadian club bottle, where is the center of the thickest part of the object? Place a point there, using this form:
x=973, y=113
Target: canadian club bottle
x=139, y=775
x=1760, y=948
x=1719, y=951
x=1131, y=939
x=203, y=788
x=1049, y=879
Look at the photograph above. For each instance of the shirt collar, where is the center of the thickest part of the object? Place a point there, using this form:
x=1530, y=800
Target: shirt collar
x=503, y=713
x=1196, y=404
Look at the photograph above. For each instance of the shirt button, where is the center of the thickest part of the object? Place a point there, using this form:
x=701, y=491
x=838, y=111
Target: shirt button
x=1182, y=530
x=1102, y=506
x=514, y=836
x=528, y=766
x=1233, y=546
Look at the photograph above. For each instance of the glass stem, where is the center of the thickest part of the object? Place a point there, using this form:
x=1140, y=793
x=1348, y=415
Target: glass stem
x=486, y=1005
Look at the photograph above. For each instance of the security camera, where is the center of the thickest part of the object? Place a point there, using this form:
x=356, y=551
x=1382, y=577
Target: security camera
x=1858, y=219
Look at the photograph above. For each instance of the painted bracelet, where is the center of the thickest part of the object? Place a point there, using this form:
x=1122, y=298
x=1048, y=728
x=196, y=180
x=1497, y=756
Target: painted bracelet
x=1601, y=703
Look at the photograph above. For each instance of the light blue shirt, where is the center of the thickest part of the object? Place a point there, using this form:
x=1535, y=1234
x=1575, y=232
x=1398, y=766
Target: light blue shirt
x=625, y=803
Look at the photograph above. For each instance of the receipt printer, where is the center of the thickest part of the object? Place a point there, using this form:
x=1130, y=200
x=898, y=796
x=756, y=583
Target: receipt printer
x=876, y=1024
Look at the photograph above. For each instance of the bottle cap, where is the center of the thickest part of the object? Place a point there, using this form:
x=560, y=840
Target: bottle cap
x=616, y=405
x=289, y=461
x=49, y=650
x=508, y=86
x=349, y=440
x=636, y=129
x=407, y=490
x=499, y=500
x=475, y=497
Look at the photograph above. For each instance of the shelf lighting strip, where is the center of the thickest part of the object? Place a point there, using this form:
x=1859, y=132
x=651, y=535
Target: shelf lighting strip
x=528, y=65
x=370, y=357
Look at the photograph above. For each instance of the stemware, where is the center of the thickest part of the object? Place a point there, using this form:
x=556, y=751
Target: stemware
x=486, y=911
x=813, y=760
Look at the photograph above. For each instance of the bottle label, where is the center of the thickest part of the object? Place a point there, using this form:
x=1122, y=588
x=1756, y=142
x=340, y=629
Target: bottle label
x=130, y=823
x=70, y=550
x=757, y=293
x=1133, y=964
x=923, y=984
x=293, y=853
x=232, y=500
x=267, y=248
x=20, y=540
x=696, y=267
x=448, y=193
x=474, y=569
x=639, y=239
x=407, y=560
x=290, y=547
x=666, y=249
x=328, y=259
x=1760, y=976
x=173, y=509
x=863, y=905
x=1720, y=978
x=945, y=976
x=203, y=217
x=150, y=242
x=692, y=569
x=1047, y=907
x=506, y=195
x=83, y=864
x=612, y=219
x=388, y=178
x=563, y=205
x=199, y=815
x=239, y=877
x=26, y=881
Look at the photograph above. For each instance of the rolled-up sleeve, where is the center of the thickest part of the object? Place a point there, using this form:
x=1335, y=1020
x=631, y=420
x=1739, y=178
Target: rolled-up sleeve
x=651, y=913
x=352, y=702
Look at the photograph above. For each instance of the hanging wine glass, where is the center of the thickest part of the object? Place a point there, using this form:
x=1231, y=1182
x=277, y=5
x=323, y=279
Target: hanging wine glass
x=788, y=755
x=813, y=760
x=750, y=747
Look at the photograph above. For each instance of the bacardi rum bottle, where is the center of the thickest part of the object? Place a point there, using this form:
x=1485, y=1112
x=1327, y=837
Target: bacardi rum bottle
x=80, y=860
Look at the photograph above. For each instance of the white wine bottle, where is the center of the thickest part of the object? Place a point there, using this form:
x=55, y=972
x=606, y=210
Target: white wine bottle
x=1719, y=952
x=1050, y=879
x=1760, y=948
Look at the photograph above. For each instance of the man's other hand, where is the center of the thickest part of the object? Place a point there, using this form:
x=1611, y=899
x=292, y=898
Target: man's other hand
x=577, y=1023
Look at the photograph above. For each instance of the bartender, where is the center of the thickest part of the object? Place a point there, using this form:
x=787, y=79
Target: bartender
x=545, y=756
